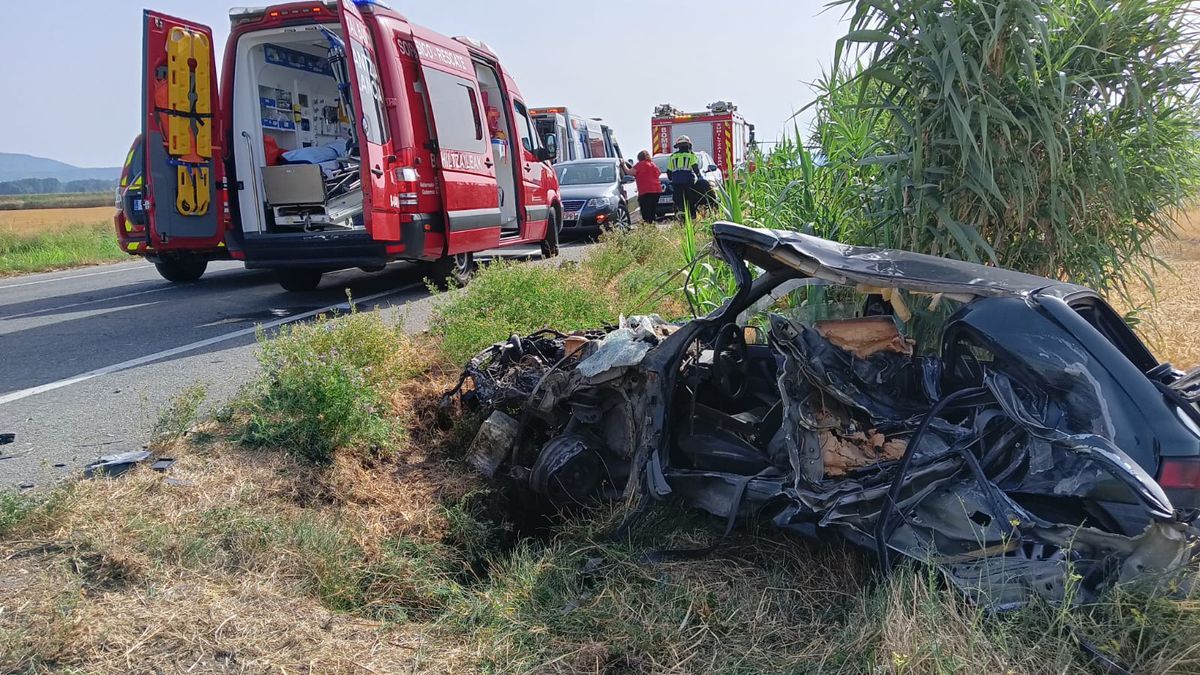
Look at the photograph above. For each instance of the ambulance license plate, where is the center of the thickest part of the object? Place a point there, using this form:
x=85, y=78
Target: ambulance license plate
x=571, y=215
x=666, y=200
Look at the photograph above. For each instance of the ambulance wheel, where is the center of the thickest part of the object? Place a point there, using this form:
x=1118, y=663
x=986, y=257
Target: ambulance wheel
x=553, y=229
x=453, y=271
x=299, y=281
x=181, y=270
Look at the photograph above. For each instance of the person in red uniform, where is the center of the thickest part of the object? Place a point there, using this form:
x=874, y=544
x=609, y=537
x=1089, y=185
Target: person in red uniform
x=649, y=187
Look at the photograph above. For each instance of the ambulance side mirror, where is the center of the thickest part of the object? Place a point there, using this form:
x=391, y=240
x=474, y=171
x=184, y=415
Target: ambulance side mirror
x=711, y=168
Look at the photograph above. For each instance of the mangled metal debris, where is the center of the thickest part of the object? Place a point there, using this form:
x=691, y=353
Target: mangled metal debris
x=1006, y=427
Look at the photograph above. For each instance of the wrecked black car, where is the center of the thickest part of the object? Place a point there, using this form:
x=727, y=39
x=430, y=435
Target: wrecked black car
x=1008, y=428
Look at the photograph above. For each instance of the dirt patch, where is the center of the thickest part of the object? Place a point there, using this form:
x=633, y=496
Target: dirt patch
x=29, y=222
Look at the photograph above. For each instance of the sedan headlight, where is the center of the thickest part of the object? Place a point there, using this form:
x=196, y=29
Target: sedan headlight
x=600, y=202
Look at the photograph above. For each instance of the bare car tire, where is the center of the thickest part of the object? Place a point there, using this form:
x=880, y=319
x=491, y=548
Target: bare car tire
x=299, y=281
x=181, y=271
x=553, y=229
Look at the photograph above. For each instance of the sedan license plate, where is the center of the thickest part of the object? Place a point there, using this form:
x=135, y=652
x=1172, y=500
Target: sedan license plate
x=571, y=215
x=666, y=200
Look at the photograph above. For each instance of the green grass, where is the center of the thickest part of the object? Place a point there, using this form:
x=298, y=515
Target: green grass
x=631, y=272
x=67, y=200
x=83, y=245
x=325, y=386
x=178, y=416
x=506, y=298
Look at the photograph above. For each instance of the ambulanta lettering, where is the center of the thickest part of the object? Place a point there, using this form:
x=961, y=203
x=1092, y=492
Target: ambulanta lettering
x=394, y=201
x=461, y=161
x=432, y=52
x=357, y=29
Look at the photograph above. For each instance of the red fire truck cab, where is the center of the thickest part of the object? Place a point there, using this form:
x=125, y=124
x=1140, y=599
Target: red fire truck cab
x=720, y=131
x=342, y=136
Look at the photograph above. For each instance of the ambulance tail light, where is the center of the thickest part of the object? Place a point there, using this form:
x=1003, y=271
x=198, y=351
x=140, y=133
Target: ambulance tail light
x=408, y=180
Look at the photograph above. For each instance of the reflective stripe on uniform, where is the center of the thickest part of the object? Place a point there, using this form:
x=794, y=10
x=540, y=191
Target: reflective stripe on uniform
x=682, y=161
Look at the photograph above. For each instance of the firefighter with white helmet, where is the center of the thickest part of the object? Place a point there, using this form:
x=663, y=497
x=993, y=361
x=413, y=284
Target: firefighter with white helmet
x=683, y=170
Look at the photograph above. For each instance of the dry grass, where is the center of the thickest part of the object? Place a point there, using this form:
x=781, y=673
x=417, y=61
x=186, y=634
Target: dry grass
x=1173, y=316
x=222, y=573
x=31, y=222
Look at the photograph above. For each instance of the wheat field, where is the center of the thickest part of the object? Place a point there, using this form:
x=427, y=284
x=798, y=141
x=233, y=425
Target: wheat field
x=29, y=222
x=1172, y=319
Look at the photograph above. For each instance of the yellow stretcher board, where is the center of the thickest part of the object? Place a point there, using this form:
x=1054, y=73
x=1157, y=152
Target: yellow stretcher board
x=189, y=105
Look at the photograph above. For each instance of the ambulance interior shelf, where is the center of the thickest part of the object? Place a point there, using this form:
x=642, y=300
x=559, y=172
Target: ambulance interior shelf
x=311, y=178
x=298, y=96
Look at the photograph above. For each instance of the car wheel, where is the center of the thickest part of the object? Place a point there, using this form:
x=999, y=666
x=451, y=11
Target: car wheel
x=453, y=271
x=623, y=220
x=181, y=270
x=299, y=281
x=553, y=230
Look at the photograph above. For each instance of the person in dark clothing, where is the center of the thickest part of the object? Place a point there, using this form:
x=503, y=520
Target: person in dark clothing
x=683, y=170
x=649, y=186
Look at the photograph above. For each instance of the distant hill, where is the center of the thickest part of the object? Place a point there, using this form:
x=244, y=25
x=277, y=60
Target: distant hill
x=15, y=167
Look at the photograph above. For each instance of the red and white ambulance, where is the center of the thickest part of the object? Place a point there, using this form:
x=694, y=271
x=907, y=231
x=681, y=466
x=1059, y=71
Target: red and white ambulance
x=720, y=131
x=342, y=136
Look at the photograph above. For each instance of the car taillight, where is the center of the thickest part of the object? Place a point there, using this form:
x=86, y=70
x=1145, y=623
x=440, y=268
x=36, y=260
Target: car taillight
x=1179, y=473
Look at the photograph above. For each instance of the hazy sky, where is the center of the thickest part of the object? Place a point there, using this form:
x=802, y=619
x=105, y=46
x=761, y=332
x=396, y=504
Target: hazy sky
x=71, y=82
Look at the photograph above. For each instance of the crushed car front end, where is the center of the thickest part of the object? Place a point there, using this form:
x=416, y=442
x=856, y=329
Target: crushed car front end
x=962, y=415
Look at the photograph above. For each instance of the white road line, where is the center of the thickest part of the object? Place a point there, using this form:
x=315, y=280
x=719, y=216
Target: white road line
x=73, y=276
x=85, y=302
x=142, y=360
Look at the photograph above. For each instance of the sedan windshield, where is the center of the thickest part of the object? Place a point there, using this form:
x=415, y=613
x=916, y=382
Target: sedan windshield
x=586, y=174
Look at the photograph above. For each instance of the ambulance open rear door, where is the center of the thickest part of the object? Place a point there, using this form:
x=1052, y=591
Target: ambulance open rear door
x=381, y=208
x=181, y=126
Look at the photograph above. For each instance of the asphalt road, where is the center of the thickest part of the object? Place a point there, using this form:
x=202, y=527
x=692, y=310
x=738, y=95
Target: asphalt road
x=89, y=357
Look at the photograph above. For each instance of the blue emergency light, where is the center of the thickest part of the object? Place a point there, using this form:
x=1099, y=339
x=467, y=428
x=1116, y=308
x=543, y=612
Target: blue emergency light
x=377, y=3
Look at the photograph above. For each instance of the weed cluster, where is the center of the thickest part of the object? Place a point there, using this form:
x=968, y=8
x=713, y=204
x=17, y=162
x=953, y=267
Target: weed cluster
x=327, y=385
x=180, y=413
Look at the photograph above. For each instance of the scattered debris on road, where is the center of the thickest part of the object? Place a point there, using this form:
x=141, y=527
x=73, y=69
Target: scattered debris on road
x=111, y=466
x=1005, y=427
